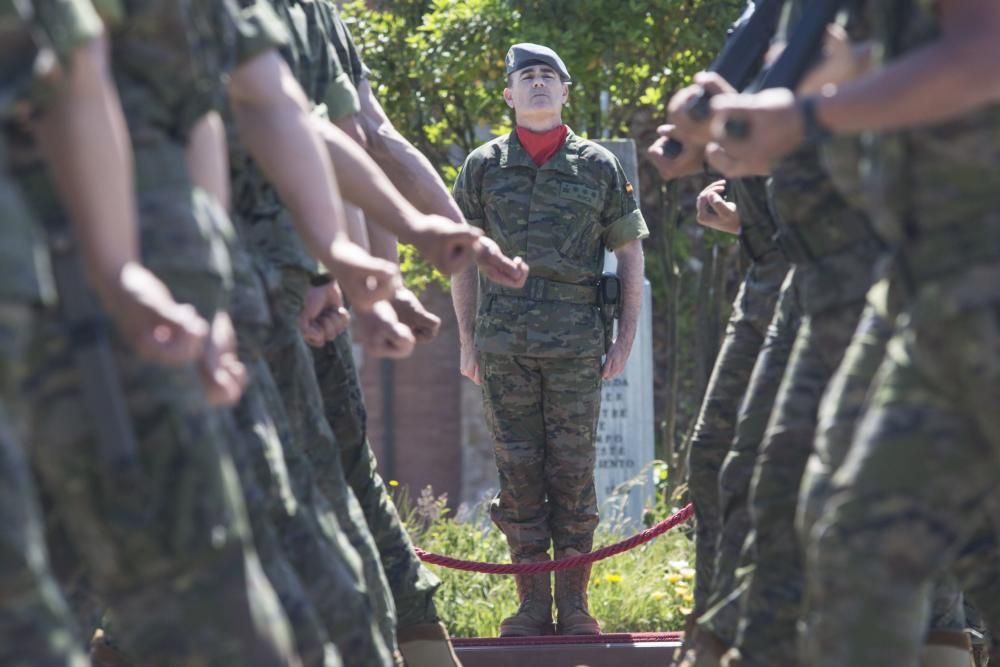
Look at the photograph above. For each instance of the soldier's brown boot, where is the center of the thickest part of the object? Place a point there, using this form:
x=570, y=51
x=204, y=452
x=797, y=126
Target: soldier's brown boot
x=571, y=599
x=534, y=616
x=426, y=645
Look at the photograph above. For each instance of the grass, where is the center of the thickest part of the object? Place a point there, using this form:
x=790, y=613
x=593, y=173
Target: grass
x=646, y=589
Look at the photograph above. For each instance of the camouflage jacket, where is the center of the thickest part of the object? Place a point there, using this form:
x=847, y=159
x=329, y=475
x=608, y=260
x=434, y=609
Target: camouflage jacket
x=559, y=217
x=263, y=219
x=831, y=242
x=934, y=188
x=59, y=27
x=170, y=60
x=769, y=265
x=347, y=50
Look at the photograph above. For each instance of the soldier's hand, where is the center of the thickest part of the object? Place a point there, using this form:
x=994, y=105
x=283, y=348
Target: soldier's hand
x=364, y=279
x=715, y=212
x=423, y=323
x=615, y=359
x=469, y=363
x=223, y=376
x=690, y=129
x=730, y=167
x=447, y=245
x=842, y=61
x=154, y=325
x=324, y=316
x=498, y=267
x=773, y=121
x=690, y=161
x=382, y=334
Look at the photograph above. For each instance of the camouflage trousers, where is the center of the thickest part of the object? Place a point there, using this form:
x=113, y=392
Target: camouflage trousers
x=722, y=616
x=291, y=365
x=165, y=543
x=543, y=416
x=840, y=411
x=911, y=490
x=716, y=423
x=36, y=627
x=269, y=498
x=772, y=581
x=411, y=583
x=323, y=594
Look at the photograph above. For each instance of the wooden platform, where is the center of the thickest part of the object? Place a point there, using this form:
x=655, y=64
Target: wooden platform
x=611, y=650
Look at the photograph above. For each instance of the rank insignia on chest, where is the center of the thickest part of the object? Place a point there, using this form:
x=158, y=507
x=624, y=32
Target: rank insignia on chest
x=628, y=188
x=579, y=192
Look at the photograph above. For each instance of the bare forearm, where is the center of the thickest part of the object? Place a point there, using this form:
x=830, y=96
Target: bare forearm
x=630, y=271
x=279, y=133
x=365, y=185
x=357, y=226
x=409, y=169
x=85, y=141
x=464, y=294
x=383, y=243
x=208, y=159
x=953, y=75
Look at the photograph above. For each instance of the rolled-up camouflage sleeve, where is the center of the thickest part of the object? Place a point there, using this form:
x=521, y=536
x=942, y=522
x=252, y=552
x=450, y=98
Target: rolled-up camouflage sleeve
x=621, y=218
x=468, y=191
x=259, y=29
x=341, y=97
x=62, y=25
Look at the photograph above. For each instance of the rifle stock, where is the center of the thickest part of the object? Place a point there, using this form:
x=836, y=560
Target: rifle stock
x=737, y=62
x=804, y=45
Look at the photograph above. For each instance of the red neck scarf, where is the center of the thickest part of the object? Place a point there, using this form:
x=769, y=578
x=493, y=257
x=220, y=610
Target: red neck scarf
x=542, y=145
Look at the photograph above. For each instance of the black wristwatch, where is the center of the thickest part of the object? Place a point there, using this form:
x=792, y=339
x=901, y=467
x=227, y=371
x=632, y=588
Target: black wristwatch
x=815, y=131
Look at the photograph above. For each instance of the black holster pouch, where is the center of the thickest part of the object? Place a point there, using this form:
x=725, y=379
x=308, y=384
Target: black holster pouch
x=609, y=298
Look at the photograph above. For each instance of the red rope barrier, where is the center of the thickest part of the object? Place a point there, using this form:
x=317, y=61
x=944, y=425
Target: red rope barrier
x=564, y=563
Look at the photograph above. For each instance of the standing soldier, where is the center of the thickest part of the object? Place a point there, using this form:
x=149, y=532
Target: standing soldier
x=557, y=200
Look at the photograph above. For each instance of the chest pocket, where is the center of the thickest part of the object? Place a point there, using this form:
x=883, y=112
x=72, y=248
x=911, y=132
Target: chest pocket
x=582, y=208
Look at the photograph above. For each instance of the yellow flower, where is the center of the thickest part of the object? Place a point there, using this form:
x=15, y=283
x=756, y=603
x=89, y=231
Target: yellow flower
x=688, y=598
x=613, y=578
x=393, y=482
x=674, y=578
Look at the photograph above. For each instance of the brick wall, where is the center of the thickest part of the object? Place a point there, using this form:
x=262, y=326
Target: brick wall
x=426, y=445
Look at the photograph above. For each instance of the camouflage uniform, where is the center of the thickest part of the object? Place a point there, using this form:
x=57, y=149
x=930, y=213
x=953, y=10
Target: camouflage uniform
x=833, y=248
x=716, y=424
x=287, y=268
x=165, y=543
x=412, y=584
x=36, y=627
x=734, y=479
x=541, y=345
x=907, y=497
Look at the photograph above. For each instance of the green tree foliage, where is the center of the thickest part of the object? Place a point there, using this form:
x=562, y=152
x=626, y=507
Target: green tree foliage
x=438, y=64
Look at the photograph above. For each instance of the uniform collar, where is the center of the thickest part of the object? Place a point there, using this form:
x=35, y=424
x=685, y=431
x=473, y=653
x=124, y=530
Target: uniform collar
x=512, y=154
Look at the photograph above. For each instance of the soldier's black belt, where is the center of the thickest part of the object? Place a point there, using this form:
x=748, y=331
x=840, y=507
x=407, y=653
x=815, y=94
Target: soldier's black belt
x=543, y=289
